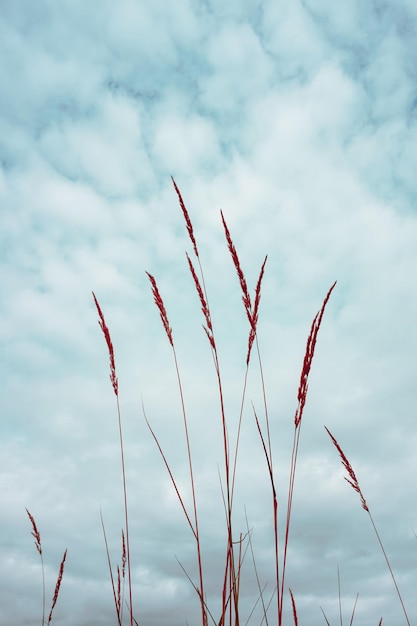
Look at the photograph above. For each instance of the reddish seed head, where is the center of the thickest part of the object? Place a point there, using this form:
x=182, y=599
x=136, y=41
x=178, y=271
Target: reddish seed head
x=352, y=480
x=254, y=315
x=245, y=293
x=57, y=586
x=106, y=333
x=35, y=533
x=186, y=217
x=162, y=311
x=308, y=359
x=204, y=306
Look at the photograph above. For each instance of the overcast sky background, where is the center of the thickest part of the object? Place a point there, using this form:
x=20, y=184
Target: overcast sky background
x=299, y=120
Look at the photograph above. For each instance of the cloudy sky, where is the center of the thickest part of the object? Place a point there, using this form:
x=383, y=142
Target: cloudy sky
x=296, y=118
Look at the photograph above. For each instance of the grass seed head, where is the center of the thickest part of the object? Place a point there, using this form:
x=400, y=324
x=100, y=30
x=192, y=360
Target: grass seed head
x=35, y=533
x=106, y=333
x=162, y=311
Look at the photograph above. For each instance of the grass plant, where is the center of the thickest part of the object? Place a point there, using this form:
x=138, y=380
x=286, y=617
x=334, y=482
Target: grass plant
x=237, y=543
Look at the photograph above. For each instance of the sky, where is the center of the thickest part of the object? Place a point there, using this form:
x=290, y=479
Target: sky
x=297, y=119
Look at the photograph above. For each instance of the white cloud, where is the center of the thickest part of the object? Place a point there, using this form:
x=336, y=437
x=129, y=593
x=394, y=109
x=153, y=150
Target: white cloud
x=298, y=122
x=239, y=68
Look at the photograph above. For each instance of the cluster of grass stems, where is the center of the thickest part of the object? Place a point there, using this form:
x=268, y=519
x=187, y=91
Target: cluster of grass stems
x=236, y=543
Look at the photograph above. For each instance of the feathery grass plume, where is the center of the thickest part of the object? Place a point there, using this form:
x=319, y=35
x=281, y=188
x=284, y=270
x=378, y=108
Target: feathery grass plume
x=255, y=314
x=352, y=480
x=35, y=533
x=57, y=586
x=294, y=608
x=308, y=359
x=208, y=328
x=162, y=311
x=115, y=385
x=106, y=333
x=302, y=396
x=245, y=293
x=354, y=483
x=187, y=218
x=37, y=536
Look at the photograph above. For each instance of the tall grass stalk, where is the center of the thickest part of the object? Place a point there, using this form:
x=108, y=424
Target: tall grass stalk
x=354, y=483
x=115, y=384
x=302, y=396
x=194, y=526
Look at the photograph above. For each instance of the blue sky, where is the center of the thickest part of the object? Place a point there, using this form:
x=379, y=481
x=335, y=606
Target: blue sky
x=299, y=121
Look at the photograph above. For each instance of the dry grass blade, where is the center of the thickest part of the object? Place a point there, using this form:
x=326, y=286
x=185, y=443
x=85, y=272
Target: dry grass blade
x=294, y=608
x=57, y=586
x=196, y=589
x=325, y=617
x=174, y=484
